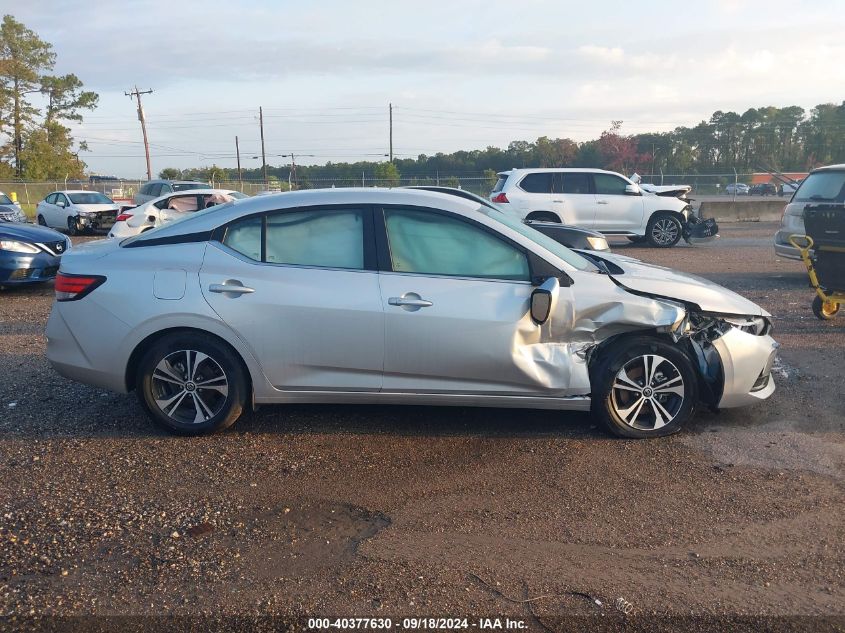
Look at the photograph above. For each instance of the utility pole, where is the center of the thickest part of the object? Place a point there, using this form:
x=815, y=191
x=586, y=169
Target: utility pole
x=263, y=155
x=240, y=174
x=292, y=172
x=390, y=111
x=137, y=94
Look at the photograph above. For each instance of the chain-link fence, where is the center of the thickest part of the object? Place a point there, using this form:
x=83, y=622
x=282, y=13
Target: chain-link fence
x=30, y=193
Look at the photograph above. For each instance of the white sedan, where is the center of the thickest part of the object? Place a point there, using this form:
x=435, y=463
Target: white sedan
x=77, y=211
x=167, y=208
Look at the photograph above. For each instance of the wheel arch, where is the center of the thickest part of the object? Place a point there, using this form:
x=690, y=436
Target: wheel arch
x=145, y=344
x=707, y=393
x=543, y=213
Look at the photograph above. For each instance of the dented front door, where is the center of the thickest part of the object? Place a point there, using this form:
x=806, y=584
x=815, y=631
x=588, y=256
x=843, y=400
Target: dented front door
x=456, y=312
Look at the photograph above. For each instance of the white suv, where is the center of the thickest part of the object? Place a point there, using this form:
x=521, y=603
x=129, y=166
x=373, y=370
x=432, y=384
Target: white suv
x=593, y=199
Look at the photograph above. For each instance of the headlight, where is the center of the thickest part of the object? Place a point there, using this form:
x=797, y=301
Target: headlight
x=17, y=247
x=598, y=243
x=752, y=325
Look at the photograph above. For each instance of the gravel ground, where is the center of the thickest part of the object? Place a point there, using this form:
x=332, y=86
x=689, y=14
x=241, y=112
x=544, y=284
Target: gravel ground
x=412, y=511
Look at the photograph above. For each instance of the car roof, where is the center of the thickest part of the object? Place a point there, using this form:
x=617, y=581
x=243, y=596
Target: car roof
x=179, y=182
x=77, y=191
x=837, y=167
x=532, y=170
x=207, y=220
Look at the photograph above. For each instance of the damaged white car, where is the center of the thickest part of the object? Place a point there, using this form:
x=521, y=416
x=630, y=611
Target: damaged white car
x=401, y=297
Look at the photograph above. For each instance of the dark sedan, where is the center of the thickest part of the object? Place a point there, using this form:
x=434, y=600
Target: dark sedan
x=29, y=253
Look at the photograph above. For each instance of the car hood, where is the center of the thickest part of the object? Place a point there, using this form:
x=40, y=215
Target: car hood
x=665, y=282
x=29, y=232
x=97, y=207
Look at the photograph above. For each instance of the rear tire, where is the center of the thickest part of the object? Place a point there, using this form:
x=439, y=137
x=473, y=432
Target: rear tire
x=643, y=388
x=663, y=230
x=192, y=384
x=825, y=310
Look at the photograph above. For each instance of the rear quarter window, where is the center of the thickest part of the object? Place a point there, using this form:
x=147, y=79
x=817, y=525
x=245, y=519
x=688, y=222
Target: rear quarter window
x=537, y=183
x=500, y=184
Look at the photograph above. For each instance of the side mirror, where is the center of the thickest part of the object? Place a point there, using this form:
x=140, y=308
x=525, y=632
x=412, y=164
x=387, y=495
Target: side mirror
x=60, y=203
x=543, y=300
x=633, y=190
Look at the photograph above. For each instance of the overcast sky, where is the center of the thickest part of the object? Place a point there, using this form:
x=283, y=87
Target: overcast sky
x=462, y=74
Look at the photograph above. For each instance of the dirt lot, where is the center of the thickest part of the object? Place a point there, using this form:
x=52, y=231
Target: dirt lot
x=391, y=511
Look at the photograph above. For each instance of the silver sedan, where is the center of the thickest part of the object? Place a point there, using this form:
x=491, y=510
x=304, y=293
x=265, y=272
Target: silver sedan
x=402, y=297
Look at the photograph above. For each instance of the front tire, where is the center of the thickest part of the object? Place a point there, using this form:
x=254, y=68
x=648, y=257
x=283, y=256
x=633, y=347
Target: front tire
x=643, y=388
x=72, y=227
x=825, y=310
x=663, y=230
x=192, y=384
x=41, y=221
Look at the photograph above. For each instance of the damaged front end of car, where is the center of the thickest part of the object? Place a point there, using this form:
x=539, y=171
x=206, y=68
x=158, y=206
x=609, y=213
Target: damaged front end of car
x=735, y=355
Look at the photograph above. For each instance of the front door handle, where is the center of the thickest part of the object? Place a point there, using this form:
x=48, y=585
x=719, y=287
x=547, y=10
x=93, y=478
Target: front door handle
x=601, y=201
x=231, y=288
x=410, y=301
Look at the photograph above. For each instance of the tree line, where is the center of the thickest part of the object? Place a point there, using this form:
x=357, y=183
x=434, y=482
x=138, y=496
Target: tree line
x=760, y=139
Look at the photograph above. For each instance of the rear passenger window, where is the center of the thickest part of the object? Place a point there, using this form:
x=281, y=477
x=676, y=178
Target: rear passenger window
x=537, y=183
x=572, y=183
x=318, y=237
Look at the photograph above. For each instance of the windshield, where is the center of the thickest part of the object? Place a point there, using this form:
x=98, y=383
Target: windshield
x=4, y=199
x=185, y=186
x=89, y=198
x=822, y=186
x=570, y=257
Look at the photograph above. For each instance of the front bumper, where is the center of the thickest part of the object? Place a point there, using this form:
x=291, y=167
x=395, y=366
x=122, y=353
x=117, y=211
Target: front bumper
x=25, y=268
x=747, y=361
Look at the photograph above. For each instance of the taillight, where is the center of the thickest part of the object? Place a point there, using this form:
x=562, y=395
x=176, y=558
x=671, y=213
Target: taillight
x=123, y=217
x=500, y=198
x=73, y=287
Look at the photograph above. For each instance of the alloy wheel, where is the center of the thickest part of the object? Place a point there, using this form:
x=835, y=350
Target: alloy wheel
x=189, y=387
x=648, y=392
x=664, y=231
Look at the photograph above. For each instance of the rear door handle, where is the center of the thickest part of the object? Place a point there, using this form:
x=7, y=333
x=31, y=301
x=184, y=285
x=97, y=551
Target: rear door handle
x=601, y=201
x=231, y=288
x=417, y=303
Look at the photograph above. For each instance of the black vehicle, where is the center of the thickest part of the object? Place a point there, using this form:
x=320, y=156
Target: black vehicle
x=569, y=236
x=763, y=189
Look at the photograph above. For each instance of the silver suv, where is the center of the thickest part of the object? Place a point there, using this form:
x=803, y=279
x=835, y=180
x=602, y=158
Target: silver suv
x=593, y=199
x=825, y=185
